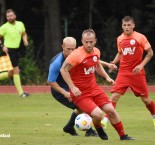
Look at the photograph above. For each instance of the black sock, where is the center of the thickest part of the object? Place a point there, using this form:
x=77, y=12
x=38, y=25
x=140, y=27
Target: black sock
x=102, y=133
x=71, y=122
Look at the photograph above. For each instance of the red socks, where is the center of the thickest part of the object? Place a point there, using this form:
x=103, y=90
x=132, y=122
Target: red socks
x=151, y=107
x=119, y=128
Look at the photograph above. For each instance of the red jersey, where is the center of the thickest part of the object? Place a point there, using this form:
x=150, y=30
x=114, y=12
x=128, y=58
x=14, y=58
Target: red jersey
x=82, y=74
x=131, y=49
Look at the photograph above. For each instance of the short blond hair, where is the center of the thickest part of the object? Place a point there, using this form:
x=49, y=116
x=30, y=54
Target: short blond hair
x=69, y=39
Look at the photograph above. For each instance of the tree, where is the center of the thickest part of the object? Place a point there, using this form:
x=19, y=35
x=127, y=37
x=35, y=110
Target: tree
x=48, y=21
x=2, y=11
x=52, y=32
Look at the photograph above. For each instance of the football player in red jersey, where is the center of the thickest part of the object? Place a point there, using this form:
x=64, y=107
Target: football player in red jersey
x=131, y=46
x=78, y=70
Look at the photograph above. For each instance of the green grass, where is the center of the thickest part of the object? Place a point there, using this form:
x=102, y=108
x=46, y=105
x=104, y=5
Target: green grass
x=39, y=119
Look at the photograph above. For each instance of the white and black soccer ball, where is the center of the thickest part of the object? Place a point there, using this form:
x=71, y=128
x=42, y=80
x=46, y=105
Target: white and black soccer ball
x=83, y=122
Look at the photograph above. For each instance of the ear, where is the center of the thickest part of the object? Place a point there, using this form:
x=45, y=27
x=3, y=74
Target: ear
x=96, y=40
x=133, y=26
x=81, y=40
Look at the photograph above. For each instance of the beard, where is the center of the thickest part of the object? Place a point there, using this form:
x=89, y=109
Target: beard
x=12, y=21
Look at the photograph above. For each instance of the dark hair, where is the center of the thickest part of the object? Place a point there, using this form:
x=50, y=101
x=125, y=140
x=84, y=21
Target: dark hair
x=128, y=18
x=89, y=31
x=10, y=10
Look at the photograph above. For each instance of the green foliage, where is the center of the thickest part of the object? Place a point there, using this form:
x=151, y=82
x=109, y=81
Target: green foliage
x=103, y=16
x=7, y=82
x=30, y=72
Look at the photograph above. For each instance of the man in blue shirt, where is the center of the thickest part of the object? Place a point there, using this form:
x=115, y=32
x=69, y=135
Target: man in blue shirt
x=59, y=88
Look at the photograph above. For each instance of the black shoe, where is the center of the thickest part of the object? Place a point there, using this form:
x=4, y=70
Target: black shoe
x=23, y=95
x=71, y=131
x=126, y=137
x=91, y=133
x=104, y=137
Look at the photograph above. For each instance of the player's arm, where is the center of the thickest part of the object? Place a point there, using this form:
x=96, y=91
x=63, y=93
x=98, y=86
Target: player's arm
x=59, y=89
x=2, y=32
x=100, y=70
x=5, y=49
x=1, y=44
x=109, y=65
x=56, y=87
x=146, y=59
x=66, y=67
x=2, y=52
x=25, y=39
x=117, y=58
x=53, y=74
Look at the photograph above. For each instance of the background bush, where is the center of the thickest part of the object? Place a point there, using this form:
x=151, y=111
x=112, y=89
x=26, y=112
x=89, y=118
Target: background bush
x=30, y=72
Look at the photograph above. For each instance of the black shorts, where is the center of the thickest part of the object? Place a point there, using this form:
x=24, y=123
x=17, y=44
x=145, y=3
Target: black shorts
x=14, y=56
x=64, y=101
x=2, y=53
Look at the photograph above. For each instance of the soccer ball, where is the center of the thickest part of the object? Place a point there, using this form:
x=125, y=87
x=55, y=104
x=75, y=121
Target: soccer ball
x=83, y=122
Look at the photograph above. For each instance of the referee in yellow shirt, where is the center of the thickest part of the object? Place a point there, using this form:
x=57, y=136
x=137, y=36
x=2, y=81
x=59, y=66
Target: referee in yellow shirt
x=12, y=32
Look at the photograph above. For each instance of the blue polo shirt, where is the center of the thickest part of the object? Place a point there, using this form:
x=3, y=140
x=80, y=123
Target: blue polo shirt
x=55, y=75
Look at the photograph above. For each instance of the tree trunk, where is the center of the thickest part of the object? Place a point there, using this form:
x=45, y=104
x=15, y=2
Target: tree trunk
x=2, y=11
x=52, y=32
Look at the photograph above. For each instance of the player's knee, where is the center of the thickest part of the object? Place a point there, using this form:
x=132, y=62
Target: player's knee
x=10, y=74
x=97, y=115
x=112, y=113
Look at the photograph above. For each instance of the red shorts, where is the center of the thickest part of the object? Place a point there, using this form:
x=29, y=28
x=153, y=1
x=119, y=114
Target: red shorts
x=87, y=103
x=137, y=83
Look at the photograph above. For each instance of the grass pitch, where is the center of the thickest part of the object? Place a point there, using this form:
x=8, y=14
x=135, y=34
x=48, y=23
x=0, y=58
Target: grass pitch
x=39, y=119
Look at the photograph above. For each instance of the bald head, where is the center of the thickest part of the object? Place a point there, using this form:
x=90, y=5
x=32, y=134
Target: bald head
x=69, y=44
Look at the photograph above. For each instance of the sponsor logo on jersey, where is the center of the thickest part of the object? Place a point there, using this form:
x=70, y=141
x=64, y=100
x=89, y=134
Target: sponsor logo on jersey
x=89, y=70
x=128, y=50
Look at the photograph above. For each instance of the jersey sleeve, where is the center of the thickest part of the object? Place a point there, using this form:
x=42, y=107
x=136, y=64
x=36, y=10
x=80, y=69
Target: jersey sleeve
x=118, y=44
x=74, y=58
x=2, y=30
x=145, y=43
x=97, y=51
x=78, y=55
x=54, y=68
x=53, y=72
x=23, y=27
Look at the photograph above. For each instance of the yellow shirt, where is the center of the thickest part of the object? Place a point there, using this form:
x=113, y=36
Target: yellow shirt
x=12, y=34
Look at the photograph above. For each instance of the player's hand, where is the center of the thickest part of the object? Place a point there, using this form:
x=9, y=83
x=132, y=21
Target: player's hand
x=112, y=66
x=110, y=80
x=75, y=91
x=137, y=69
x=25, y=43
x=5, y=49
x=67, y=95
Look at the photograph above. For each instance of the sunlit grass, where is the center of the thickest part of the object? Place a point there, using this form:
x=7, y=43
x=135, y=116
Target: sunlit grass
x=39, y=119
